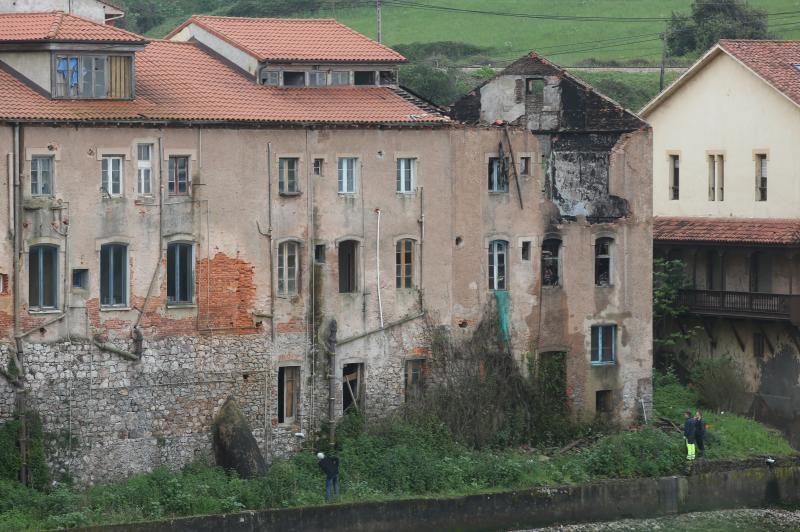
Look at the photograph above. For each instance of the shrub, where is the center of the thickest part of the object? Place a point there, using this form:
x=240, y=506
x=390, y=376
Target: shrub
x=719, y=384
x=647, y=453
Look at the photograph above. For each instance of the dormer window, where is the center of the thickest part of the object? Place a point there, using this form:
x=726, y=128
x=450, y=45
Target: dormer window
x=271, y=77
x=317, y=78
x=364, y=77
x=340, y=77
x=294, y=79
x=92, y=76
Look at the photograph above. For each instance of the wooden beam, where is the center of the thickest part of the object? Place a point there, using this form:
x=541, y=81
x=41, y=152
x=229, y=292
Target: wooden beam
x=707, y=326
x=736, y=333
x=766, y=338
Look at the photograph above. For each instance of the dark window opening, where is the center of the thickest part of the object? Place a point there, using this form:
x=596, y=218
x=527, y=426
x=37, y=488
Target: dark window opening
x=288, y=393
x=80, y=278
x=43, y=277
x=180, y=273
x=758, y=345
x=525, y=166
x=604, y=344
x=497, y=173
x=602, y=262
x=760, y=273
x=353, y=387
x=715, y=271
x=761, y=177
x=113, y=275
x=319, y=253
x=416, y=373
x=526, y=250
x=534, y=86
x=294, y=79
x=348, y=261
x=550, y=262
x=603, y=402
x=388, y=77
x=675, y=177
x=362, y=77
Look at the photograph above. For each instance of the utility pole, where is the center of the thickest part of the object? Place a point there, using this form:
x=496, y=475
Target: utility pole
x=380, y=22
x=663, y=59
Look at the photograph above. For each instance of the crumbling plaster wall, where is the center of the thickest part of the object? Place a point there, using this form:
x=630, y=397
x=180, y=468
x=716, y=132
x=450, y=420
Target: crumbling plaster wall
x=6, y=244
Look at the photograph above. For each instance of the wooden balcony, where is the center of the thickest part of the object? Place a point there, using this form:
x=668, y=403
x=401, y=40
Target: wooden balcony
x=741, y=304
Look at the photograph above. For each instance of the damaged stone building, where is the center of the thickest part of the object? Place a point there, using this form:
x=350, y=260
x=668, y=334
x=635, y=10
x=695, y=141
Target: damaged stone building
x=186, y=217
x=725, y=202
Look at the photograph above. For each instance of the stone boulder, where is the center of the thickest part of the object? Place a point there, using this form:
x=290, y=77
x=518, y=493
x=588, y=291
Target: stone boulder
x=235, y=448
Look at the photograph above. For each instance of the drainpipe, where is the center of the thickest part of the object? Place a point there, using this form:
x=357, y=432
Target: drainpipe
x=421, y=241
x=269, y=242
x=378, y=265
x=332, y=383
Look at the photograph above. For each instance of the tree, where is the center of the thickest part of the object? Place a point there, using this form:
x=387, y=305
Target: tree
x=668, y=279
x=439, y=86
x=712, y=21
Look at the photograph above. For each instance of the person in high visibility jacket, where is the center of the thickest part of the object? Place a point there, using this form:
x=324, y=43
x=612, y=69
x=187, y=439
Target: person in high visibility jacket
x=689, y=431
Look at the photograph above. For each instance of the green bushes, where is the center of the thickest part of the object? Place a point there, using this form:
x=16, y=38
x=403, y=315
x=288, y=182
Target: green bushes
x=9, y=451
x=719, y=384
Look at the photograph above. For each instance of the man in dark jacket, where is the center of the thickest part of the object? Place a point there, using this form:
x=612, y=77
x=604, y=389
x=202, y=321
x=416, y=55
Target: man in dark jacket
x=700, y=433
x=689, y=435
x=330, y=466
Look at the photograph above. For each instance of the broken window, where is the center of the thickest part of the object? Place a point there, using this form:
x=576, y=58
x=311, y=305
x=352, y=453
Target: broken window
x=551, y=249
x=287, y=267
x=364, y=77
x=92, y=76
x=318, y=166
x=347, y=175
x=406, y=168
x=287, y=175
x=498, y=174
x=271, y=77
x=42, y=277
x=144, y=168
x=41, y=175
x=761, y=177
x=348, y=255
x=415, y=378
x=534, y=86
x=758, y=345
x=294, y=79
x=603, y=403
x=526, y=250
x=497, y=264
x=760, y=272
x=604, y=341
x=716, y=177
x=179, y=181
x=714, y=270
x=80, y=278
x=180, y=272
x=113, y=275
x=675, y=177
x=288, y=394
x=404, y=261
x=525, y=166
x=388, y=77
x=340, y=77
x=319, y=253
x=111, y=181
x=353, y=387
x=602, y=261
x=317, y=78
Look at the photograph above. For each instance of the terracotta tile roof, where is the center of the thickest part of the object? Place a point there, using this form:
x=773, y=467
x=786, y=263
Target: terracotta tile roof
x=727, y=231
x=775, y=61
x=215, y=92
x=60, y=27
x=276, y=39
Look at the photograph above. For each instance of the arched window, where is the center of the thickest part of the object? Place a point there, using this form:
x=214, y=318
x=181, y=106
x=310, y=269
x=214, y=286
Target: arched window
x=602, y=261
x=287, y=267
x=113, y=275
x=497, y=264
x=551, y=255
x=404, y=263
x=43, y=277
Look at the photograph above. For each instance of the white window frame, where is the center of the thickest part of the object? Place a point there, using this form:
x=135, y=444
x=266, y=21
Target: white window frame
x=716, y=176
x=608, y=256
x=498, y=280
x=144, y=169
x=762, y=164
x=602, y=357
x=37, y=183
x=287, y=175
x=406, y=180
x=347, y=170
x=494, y=177
x=337, y=75
x=317, y=74
x=107, y=183
x=288, y=274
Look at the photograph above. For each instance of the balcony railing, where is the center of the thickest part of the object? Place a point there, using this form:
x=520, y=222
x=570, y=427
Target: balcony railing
x=745, y=304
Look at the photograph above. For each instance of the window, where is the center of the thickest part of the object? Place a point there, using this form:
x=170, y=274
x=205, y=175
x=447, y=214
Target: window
x=180, y=273
x=675, y=177
x=497, y=264
x=364, y=77
x=604, y=340
x=716, y=177
x=179, y=181
x=602, y=261
x=534, y=86
x=352, y=387
x=551, y=270
x=93, y=76
x=3, y=283
x=526, y=250
x=714, y=271
x=294, y=79
x=758, y=345
x=348, y=252
x=318, y=166
x=41, y=175
x=760, y=273
x=113, y=275
x=319, y=253
x=415, y=378
x=404, y=261
x=288, y=394
x=406, y=168
x=340, y=77
x=347, y=175
x=80, y=278
x=388, y=77
x=525, y=166
x=317, y=78
x=112, y=175
x=43, y=277
x=287, y=175
x=270, y=77
x=603, y=401
x=498, y=175
x=287, y=267
x=144, y=169
x=761, y=177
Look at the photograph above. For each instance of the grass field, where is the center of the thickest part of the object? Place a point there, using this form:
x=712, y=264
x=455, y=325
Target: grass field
x=510, y=37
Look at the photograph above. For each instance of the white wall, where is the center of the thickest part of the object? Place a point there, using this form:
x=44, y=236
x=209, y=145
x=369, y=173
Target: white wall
x=90, y=9
x=242, y=59
x=33, y=65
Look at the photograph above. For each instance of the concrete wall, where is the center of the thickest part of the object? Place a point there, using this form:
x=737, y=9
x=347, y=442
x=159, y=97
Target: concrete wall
x=757, y=486
x=235, y=55
x=91, y=9
x=36, y=66
x=726, y=109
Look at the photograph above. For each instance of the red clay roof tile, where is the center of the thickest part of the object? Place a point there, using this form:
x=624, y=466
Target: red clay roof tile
x=60, y=27
x=775, y=61
x=728, y=231
x=276, y=39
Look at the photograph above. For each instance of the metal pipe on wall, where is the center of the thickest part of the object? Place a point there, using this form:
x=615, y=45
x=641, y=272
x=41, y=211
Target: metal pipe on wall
x=378, y=266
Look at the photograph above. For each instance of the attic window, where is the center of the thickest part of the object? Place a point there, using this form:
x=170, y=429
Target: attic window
x=797, y=66
x=364, y=77
x=294, y=79
x=270, y=77
x=92, y=76
x=388, y=77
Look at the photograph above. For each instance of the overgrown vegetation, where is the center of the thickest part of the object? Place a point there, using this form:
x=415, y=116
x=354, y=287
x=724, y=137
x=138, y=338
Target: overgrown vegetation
x=631, y=89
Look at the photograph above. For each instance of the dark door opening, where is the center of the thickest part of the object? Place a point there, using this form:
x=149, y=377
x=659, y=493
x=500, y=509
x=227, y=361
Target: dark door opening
x=352, y=387
x=348, y=251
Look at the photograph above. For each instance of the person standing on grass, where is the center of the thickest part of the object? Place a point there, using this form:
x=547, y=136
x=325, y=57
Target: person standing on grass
x=330, y=466
x=689, y=431
x=700, y=433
